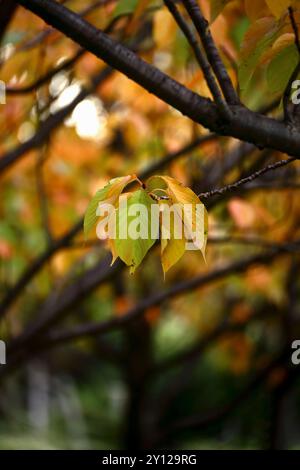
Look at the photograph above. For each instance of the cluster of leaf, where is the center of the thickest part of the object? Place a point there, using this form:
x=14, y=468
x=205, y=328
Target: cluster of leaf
x=161, y=190
x=269, y=42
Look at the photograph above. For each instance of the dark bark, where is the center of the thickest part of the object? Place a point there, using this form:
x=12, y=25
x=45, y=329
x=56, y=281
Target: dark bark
x=7, y=9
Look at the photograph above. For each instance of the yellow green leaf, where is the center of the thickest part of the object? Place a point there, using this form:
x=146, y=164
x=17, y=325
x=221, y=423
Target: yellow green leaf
x=132, y=249
x=125, y=7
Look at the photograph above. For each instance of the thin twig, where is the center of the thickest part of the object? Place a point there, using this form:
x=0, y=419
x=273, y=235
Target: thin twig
x=287, y=92
x=248, y=179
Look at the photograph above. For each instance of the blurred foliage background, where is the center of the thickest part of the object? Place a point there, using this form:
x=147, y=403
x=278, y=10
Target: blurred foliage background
x=199, y=369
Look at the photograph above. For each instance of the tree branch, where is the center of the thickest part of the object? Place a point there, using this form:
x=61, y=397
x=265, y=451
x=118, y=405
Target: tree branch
x=202, y=61
x=244, y=125
x=71, y=295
